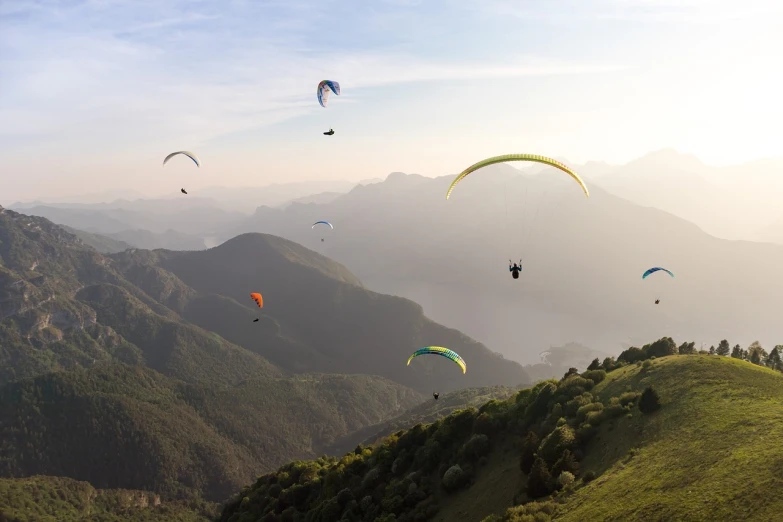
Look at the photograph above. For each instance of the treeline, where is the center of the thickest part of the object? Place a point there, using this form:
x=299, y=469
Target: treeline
x=754, y=353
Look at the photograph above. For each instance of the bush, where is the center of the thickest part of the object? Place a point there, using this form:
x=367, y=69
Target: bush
x=566, y=462
x=484, y=425
x=581, y=413
x=530, y=512
x=454, y=478
x=650, y=401
x=560, y=439
x=589, y=476
x=595, y=375
x=628, y=398
x=565, y=479
x=371, y=478
x=476, y=447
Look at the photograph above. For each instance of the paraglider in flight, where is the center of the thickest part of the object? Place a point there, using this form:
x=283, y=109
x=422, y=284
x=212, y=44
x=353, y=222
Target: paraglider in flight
x=186, y=153
x=515, y=269
x=439, y=350
x=517, y=157
x=189, y=155
x=652, y=271
x=329, y=133
x=323, y=91
x=255, y=296
x=322, y=223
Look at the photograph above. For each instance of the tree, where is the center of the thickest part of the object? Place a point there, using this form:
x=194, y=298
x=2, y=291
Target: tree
x=596, y=364
x=736, y=352
x=529, y=448
x=687, y=348
x=539, y=480
x=649, y=402
x=570, y=372
x=757, y=354
x=774, y=360
x=712, y=350
x=660, y=348
x=723, y=348
x=566, y=462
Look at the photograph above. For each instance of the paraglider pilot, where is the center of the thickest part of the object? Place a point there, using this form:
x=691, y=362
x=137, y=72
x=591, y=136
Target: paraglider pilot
x=183, y=191
x=436, y=395
x=515, y=269
x=657, y=301
x=329, y=133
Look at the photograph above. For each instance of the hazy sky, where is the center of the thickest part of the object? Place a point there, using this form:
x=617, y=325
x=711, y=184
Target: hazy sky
x=93, y=94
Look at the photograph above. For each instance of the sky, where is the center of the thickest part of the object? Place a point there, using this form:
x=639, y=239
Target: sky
x=94, y=94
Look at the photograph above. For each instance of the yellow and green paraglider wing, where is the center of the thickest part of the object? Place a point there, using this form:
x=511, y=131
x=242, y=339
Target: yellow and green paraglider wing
x=518, y=157
x=439, y=350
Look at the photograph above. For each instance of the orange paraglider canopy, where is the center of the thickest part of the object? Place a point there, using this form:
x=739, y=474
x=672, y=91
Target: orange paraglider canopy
x=258, y=299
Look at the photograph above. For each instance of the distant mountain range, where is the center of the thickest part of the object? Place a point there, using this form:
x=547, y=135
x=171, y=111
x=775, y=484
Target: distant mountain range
x=583, y=259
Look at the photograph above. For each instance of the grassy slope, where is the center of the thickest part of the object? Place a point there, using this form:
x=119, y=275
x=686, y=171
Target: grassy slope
x=710, y=453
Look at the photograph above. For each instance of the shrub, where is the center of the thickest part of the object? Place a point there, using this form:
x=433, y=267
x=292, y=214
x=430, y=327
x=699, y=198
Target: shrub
x=484, y=425
x=565, y=479
x=585, y=432
x=628, y=398
x=612, y=411
x=566, y=462
x=589, y=476
x=581, y=413
x=371, y=478
x=560, y=439
x=476, y=447
x=454, y=478
x=649, y=401
x=595, y=375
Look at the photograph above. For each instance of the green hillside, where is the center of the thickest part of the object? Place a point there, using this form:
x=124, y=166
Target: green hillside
x=57, y=499
x=129, y=427
x=708, y=453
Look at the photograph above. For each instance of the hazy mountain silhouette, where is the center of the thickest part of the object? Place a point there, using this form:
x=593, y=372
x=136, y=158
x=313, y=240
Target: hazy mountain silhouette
x=106, y=219
x=730, y=202
x=583, y=260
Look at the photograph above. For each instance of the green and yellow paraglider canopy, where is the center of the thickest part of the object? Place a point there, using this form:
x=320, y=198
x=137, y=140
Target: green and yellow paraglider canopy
x=439, y=350
x=517, y=157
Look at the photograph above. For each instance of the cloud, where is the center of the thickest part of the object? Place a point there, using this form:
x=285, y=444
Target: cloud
x=701, y=12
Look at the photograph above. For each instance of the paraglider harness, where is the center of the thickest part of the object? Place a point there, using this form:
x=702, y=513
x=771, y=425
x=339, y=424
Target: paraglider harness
x=515, y=269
